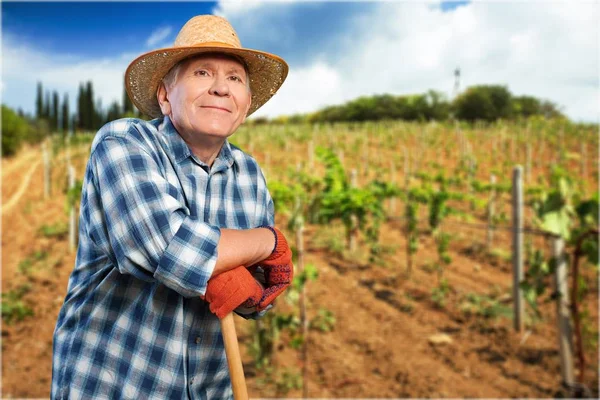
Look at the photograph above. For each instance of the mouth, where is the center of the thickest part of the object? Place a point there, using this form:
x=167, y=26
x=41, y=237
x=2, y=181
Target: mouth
x=216, y=108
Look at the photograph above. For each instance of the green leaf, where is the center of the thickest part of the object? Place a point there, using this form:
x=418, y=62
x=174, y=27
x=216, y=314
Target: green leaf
x=590, y=250
x=557, y=222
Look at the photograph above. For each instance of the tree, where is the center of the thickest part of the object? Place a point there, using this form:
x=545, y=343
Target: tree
x=47, y=109
x=114, y=112
x=438, y=106
x=550, y=110
x=80, y=108
x=14, y=131
x=483, y=102
x=54, y=120
x=127, y=104
x=501, y=98
x=65, y=115
x=89, y=106
x=526, y=106
x=39, y=102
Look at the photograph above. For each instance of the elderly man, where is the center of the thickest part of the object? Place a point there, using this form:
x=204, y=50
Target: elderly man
x=175, y=223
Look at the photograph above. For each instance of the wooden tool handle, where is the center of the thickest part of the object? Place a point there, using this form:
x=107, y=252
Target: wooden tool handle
x=234, y=360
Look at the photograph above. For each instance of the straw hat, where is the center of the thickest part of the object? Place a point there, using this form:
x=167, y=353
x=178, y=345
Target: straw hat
x=202, y=34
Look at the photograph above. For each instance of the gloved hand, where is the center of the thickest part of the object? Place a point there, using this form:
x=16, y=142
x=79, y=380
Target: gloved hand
x=278, y=269
x=231, y=289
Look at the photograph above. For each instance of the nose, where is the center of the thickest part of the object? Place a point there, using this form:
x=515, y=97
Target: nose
x=219, y=87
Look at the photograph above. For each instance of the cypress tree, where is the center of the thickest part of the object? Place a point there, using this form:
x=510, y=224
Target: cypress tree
x=80, y=108
x=47, y=110
x=74, y=122
x=114, y=112
x=127, y=104
x=89, y=107
x=65, y=115
x=55, y=115
x=39, y=101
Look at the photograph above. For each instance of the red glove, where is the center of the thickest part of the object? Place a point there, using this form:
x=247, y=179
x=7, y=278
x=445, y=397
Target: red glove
x=278, y=268
x=231, y=289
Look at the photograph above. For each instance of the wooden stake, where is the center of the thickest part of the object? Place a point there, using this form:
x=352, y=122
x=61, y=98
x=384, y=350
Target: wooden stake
x=563, y=312
x=406, y=167
x=517, y=246
x=354, y=229
x=528, y=163
x=491, y=211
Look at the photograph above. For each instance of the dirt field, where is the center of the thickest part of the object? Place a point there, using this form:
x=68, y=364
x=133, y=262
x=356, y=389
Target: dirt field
x=381, y=342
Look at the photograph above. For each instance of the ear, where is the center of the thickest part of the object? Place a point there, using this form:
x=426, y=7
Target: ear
x=163, y=99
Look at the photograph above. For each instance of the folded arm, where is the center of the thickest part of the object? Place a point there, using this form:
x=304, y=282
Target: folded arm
x=149, y=229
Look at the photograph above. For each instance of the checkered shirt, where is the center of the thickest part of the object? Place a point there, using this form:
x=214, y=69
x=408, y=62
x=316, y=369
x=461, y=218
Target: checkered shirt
x=133, y=325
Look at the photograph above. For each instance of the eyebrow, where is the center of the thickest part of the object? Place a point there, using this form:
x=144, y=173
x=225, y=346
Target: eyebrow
x=208, y=64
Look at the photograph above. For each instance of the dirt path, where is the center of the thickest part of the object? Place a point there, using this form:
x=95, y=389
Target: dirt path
x=6, y=207
x=11, y=165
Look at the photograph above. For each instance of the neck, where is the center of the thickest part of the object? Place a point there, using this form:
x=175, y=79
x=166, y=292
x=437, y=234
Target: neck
x=206, y=149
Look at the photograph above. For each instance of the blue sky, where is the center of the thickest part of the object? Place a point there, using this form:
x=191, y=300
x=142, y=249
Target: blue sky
x=96, y=29
x=336, y=50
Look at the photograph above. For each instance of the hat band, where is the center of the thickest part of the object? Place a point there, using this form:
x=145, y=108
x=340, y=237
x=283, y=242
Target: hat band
x=211, y=44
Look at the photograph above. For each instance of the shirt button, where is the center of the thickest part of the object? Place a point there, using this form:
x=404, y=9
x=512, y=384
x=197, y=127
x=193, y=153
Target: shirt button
x=192, y=381
x=198, y=340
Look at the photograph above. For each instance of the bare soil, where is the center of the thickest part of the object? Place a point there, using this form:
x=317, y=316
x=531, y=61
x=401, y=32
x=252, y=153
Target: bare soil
x=380, y=344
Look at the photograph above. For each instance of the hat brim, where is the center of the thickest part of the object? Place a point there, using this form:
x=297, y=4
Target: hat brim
x=267, y=73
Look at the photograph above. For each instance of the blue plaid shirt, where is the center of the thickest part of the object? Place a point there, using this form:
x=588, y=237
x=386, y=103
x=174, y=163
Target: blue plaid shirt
x=133, y=325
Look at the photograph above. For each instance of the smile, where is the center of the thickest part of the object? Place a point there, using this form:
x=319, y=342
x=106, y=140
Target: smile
x=216, y=108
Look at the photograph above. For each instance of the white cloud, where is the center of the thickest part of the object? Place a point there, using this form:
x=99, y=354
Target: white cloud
x=231, y=9
x=158, y=36
x=24, y=66
x=305, y=90
x=549, y=50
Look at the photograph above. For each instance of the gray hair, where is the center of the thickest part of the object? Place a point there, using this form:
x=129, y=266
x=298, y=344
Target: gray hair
x=171, y=77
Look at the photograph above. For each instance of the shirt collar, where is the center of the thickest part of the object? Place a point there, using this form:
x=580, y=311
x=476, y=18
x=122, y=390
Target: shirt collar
x=181, y=150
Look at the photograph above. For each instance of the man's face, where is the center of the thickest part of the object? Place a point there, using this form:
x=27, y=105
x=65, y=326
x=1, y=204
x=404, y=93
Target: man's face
x=210, y=97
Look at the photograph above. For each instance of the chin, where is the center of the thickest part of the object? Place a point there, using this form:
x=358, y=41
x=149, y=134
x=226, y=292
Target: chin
x=215, y=130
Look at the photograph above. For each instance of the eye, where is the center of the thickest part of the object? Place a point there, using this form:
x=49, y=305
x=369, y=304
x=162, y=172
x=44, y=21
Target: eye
x=235, y=78
x=201, y=72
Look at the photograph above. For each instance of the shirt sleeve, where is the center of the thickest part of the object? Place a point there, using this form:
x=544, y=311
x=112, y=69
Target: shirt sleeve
x=150, y=230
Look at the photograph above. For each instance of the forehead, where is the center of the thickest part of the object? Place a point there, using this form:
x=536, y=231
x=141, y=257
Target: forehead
x=215, y=59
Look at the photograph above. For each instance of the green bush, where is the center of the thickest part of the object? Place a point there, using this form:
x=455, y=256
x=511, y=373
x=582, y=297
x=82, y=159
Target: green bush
x=13, y=307
x=14, y=131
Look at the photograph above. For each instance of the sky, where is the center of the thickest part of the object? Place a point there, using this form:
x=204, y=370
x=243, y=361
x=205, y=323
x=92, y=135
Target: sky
x=337, y=51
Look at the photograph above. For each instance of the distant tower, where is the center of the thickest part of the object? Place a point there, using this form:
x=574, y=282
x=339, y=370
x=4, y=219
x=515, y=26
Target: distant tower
x=456, y=82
